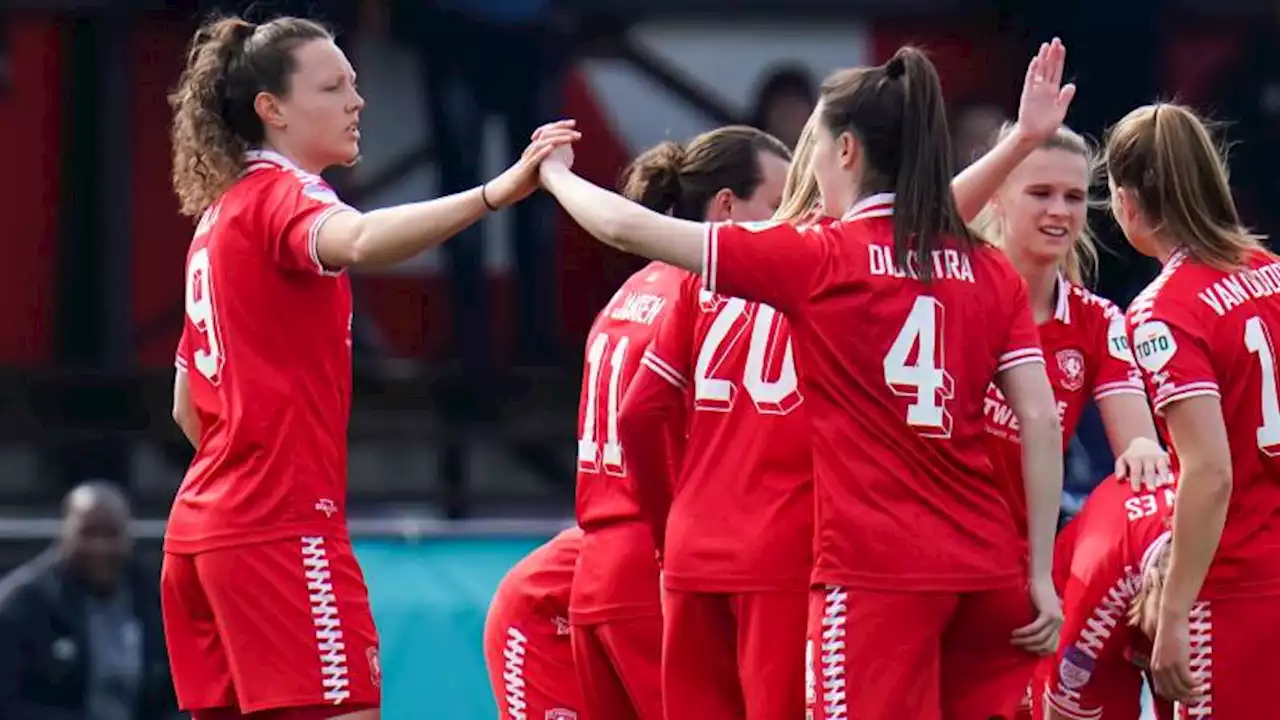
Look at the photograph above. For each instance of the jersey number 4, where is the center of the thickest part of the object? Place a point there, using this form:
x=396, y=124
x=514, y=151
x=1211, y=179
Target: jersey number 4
x=593, y=456
x=766, y=349
x=921, y=375
x=199, y=302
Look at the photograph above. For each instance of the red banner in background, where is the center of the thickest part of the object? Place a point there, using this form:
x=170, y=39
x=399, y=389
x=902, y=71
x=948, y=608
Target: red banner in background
x=30, y=115
x=161, y=234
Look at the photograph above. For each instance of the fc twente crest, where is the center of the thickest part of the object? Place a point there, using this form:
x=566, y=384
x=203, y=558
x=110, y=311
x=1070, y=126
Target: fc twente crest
x=1071, y=363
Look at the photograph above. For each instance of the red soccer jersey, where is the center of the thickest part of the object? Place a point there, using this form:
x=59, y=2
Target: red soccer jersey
x=538, y=586
x=617, y=571
x=894, y=373
x=267, y=349
x=728, y=364
x=1200, y=331
x=1117, y=535
x=1087, y=353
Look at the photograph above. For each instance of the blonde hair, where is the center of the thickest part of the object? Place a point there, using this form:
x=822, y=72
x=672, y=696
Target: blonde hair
x=1081, y=263
x=1144, y=611
x=800, y=196
x=1165, y=155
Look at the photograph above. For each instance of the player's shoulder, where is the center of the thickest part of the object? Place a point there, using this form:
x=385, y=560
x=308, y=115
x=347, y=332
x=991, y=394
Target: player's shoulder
x=1172, y=293
x=1089, y=305
x=270, y=177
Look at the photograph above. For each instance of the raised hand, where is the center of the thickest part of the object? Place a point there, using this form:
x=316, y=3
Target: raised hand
x=521, y=179
x=1045, y=100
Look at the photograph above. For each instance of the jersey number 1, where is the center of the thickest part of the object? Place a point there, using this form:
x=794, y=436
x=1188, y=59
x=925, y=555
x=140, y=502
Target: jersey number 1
x=924, y=380
x=199, y=304
x=592, y=456
x=1258, y=340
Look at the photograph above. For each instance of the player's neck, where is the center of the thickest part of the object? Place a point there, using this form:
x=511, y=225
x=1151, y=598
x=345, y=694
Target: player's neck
x=283, y=150
x=1042, y=286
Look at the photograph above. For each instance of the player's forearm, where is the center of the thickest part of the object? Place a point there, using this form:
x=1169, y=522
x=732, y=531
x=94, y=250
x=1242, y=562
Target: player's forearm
x=975, y=185
x=1126, y=417
x=627, y=226
x=394, y=234
x=1042, y=484
x=1200, y=512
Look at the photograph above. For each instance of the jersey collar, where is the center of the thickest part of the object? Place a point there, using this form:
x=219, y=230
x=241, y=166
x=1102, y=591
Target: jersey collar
x=257, y=159
x=878, y=205
x=1062, y=311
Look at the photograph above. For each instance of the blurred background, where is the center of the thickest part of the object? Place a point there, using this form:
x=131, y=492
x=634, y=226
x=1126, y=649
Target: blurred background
x=468, y=359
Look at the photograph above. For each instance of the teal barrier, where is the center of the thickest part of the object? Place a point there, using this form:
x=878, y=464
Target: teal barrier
x=429, y=601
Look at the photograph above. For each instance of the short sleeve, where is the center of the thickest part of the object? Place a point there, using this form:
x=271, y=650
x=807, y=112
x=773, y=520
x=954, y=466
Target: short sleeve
x=1173, y=354
x=668, y=355
x=1022, y=343
x=297, y=208
x=1118, y=374
x=182, y=356
x=773, y=263
x=1094, y=639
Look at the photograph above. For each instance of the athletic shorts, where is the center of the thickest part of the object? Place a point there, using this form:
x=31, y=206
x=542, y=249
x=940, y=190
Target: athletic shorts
x=951, y=656
x=530, y=663
x=619, y=668
x=729, y=656
x=1233, y=654
x=280, y=624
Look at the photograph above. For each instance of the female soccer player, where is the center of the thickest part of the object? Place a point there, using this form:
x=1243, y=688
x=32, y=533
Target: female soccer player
x=1115, y=557
x=1039, y=218
x=736, y=599
x=1202, y=332
x=527, y=647
x=265, y=608
x=900, y=319
x=733, y=173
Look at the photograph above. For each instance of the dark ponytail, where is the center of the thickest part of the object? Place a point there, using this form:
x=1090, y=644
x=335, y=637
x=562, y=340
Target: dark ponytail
x=229, y=62
x=681, y=179
x=897, y=113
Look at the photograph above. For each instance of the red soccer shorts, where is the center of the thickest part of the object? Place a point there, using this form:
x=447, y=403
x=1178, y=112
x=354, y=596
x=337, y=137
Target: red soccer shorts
x=919, y=655
x=281, y=624
x=734, y=656
x=1234, y=645
x=530, y=661
x=619, y=668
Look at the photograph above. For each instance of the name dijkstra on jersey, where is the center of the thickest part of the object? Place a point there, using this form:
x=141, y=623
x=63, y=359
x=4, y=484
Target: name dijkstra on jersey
x=948, y=264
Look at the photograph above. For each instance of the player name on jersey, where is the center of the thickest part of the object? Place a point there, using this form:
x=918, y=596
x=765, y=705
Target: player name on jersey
x=640, y=308
x=1233, y=291
x=948, y=264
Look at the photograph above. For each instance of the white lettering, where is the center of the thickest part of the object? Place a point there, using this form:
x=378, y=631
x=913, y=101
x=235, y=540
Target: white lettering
x=640, y=308
x=948, y=264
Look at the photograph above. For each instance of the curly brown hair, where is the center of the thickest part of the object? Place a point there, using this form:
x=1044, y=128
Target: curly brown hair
x=229, y=62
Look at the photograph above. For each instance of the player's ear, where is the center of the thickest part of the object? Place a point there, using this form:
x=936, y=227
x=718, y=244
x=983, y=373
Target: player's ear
x=721, y=206
x=268, y=108
x=848, y=150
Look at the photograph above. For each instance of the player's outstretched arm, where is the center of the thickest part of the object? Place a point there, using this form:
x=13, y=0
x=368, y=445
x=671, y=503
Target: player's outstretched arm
x=395, y=234
x=620, y=223
x=1041, y=111
x=184, y=413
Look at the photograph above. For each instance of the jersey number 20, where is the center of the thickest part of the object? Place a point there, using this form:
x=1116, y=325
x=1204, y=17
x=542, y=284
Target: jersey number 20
x=921, y=376
x=207, y=360
x=771, y=397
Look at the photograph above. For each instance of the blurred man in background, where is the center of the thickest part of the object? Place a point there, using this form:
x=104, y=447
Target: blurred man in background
x=974, y=127
x=784, y=100
x=80, y=630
